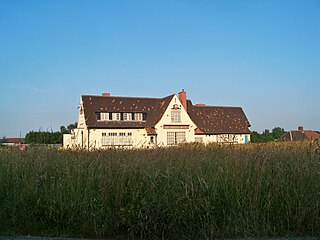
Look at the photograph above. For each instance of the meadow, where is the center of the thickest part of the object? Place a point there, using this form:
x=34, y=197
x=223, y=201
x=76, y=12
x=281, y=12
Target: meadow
x=186, y=192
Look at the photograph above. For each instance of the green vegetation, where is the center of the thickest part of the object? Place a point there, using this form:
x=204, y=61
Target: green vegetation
x=187, y=192
x=46, y=137
x=266, y=135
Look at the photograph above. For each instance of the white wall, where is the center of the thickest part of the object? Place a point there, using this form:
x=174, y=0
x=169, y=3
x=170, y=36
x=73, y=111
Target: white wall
x=166, y=120
x=224, y=138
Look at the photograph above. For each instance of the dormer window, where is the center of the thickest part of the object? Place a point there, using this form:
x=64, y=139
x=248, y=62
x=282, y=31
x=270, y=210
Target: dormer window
x=138, y=116
x=112, y=116
x=116, y=116
x=175, y=116
x=127, y=116
x=104, y=116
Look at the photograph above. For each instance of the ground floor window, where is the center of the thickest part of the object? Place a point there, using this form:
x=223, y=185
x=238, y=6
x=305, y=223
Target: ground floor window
x=176, y=138
x=152, y=139
x=228, y=138
x=116, y=139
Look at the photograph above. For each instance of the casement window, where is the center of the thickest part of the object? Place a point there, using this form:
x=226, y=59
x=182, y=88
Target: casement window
x=104, y=116
x=127, y=116
x=116, y=139
x=138, y=116
x=176, y=138
x=175, y=116
x=116, y=116
x=112, y=116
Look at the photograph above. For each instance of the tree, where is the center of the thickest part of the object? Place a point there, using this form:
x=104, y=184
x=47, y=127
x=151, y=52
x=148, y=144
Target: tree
x=72, y=126
x=3, y=139
x=65, y=130
x=277, y=132
x=266, y=135
x=43, y=137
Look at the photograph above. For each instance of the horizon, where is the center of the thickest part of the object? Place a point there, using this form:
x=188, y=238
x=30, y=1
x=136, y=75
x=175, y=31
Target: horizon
x=263, y=56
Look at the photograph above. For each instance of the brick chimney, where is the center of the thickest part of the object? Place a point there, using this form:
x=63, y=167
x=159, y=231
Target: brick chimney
x=300, y=128
x=183, y=98
x=105, y=94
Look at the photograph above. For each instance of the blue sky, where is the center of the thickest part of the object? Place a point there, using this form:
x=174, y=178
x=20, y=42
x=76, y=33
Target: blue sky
x=261, y=55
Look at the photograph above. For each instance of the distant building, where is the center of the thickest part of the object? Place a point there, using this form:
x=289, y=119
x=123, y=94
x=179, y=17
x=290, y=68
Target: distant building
x=108, y=121
x=12, y=141
x=300, y=135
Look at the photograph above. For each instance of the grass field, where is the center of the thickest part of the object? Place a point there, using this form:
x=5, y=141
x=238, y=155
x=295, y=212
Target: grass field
x=186, y=192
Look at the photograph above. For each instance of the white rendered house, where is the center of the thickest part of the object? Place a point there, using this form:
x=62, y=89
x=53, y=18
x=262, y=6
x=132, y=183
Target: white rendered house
x=109, y=121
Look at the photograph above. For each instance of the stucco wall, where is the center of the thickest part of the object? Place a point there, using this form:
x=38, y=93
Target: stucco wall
x=92, y=138
x=166, y=120
x=224, y=138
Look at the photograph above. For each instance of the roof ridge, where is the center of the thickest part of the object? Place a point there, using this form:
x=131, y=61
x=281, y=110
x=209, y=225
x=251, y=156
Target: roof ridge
x=216, y=106
x=148, y=98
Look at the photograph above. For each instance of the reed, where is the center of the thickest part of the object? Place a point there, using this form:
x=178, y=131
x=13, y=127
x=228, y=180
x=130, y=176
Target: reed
x=186, y=192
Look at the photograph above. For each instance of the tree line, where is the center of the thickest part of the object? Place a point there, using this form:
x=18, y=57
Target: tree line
x=266, y=135
x=46, y=137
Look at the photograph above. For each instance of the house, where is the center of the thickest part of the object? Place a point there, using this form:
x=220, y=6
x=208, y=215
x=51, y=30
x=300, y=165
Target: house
x=12, y=141
x=110, y=121
x=300, y=135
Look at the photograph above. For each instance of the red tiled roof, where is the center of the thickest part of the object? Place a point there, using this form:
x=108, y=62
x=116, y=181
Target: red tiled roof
x=13, y=140
x=209, y=119
x=152, y=107
x=297, y=135
x=218, y=120
x=311, y=135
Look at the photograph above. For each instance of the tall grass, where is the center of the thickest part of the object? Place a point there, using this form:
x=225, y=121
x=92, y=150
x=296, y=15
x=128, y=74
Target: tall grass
x=187, y=192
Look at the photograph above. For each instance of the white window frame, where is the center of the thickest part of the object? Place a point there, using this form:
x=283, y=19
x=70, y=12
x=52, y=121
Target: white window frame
x=175, y=116
x=138, y=116
x=174, y=138
x=127, y=116
x=116, y=139
x=116, y=116
x=104, y=116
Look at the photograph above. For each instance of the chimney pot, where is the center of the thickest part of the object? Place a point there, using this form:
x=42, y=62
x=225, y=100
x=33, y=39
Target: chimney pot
x=105, y=94
x=300, y=128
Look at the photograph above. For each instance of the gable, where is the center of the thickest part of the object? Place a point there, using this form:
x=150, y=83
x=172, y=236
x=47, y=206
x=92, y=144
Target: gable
x=176, y=106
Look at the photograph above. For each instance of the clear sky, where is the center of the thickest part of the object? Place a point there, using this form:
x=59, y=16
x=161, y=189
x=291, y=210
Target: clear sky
x=261, y=55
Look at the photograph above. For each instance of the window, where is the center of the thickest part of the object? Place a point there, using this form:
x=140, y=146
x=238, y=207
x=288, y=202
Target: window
x=127, y=116
x=116, y=139
x=104, y=116
x=176, y=138
x=152, y=139
x=138, y=116
x=116, y=116
x=175, y=116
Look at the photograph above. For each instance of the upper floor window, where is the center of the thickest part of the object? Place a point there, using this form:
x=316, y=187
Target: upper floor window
x=175, y=116
x=138, y=116
x=127, y=116
x=113, y=116
x=104, y=116
x=116, y=116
